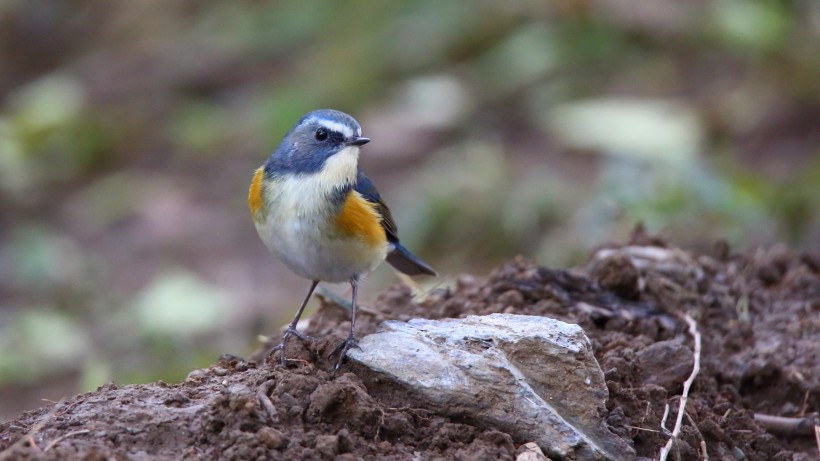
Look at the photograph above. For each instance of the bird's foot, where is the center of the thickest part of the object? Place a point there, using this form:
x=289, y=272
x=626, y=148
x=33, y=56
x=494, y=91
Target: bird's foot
x=342, y=349
x=304, y=339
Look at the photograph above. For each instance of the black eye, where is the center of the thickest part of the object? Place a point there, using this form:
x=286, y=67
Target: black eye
x=321, y=134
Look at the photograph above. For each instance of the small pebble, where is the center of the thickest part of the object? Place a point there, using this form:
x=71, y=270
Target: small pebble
x=328, y=445
x=530, y=451
x=219, y=371
x=738, y=454
x=272, y=438
x=195, y=375
x=511, y=298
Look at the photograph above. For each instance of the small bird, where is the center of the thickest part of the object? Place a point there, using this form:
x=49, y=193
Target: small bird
x=321, y=216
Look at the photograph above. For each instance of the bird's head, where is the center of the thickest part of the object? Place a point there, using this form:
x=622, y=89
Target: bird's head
x=322, y=141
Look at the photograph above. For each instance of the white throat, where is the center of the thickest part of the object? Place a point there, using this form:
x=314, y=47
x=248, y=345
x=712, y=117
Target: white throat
x=307, y=194
x=340, y=169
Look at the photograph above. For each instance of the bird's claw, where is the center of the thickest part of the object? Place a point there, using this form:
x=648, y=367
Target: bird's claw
x=304, y=339
x=341, y=349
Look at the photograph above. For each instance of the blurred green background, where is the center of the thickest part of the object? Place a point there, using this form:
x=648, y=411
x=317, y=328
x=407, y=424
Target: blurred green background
x=129, y=132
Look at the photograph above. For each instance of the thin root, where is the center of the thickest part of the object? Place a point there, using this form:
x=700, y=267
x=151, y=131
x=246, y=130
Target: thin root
x=693, y=330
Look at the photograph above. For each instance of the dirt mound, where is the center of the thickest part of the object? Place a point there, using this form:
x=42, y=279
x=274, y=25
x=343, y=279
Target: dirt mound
x=758, y=314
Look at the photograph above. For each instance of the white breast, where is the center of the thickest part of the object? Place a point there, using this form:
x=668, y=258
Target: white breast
x=299, y=228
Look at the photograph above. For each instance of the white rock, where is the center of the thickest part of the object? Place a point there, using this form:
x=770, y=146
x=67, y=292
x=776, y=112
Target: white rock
x=532, y=377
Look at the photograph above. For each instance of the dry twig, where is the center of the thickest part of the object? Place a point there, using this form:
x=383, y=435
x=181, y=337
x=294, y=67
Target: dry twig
x=817, y=437
x=805, y=405
x=29, y=437
x=641, y=429
x=700, y=435
x=693, y=330
x=65, y=436
x=786, y=425
x=264, y=400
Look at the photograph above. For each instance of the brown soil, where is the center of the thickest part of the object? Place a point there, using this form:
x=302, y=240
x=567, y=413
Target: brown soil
x=758, y=314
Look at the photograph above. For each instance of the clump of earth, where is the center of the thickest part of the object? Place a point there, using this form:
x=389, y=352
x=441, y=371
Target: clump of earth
x=756, y=396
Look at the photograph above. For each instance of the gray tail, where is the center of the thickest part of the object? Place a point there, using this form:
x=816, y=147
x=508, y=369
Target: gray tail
x=407, y=262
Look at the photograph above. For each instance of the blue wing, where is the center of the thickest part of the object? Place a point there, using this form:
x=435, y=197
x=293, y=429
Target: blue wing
x=400, y=257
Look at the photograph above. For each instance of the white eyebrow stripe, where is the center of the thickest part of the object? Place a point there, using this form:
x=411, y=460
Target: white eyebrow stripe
x=345, y=130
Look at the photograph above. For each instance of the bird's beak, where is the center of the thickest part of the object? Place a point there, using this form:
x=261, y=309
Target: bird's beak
x=358, y=141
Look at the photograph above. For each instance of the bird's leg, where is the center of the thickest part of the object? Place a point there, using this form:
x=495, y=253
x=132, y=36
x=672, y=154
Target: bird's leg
x=350, y=342
x=291, y=331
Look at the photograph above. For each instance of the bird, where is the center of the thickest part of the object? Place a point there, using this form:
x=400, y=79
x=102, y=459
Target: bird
x=320, y=215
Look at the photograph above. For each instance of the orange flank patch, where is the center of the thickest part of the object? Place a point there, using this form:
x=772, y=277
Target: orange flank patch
x=359, y=218
x=255, y=199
